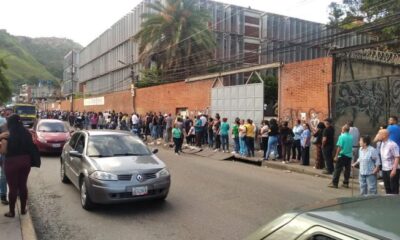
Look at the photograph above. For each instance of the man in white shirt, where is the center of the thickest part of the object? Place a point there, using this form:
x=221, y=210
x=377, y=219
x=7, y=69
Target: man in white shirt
x=355, y=133
x=390, y=162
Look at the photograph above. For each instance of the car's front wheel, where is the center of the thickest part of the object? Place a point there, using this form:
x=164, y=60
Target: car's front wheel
x=64, y=177
x=85, y=198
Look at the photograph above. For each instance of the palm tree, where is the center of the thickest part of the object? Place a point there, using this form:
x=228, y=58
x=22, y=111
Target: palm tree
x=5, y=89
x=175, y=36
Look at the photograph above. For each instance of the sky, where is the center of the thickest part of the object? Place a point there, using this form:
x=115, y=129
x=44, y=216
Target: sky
x=84, y=20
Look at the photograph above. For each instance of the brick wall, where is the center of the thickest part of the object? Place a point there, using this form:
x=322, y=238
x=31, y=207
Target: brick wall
x=195, y=96
x=303, y=90
x=166, y=98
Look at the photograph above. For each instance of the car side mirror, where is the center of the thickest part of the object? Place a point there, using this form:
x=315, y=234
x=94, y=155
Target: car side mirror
x=75, y=154
x=155, y=151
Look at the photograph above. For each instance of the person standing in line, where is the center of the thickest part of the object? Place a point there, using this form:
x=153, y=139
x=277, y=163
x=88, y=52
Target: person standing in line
x=191, y=136
x=17, y=146
x=101, y=121
x=296, y=148
x=135, y=123
x=160, y=133
x=328, y=146
x=177, y=135
x=210, y=133
x=204, y=124
x=217, y=136
x=369, y=166
x=305, y=145
x=242, y=138
x=390, y=157
x=394, y=130
x=272, y=140
x=179, y=122
x=249, y=138
x=264, y=136
x=355, y=133
x=344, y=153
x=235, y=136
x=168, y=125
x=225, y=135
x=286, y=138
x=319, y=161
x=3, y=181
x=198, y=128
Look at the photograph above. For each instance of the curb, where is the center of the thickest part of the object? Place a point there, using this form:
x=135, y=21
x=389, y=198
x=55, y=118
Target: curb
x=27, y=229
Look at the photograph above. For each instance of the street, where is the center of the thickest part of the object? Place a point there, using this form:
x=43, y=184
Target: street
x=209, y=199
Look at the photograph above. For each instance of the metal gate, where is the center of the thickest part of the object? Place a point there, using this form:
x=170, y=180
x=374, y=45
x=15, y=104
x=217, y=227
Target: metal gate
x=369, y=102
x=242, y=101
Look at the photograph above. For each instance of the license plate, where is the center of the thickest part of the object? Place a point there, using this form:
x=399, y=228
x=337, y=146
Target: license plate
x=139, y=191
x=56, y=145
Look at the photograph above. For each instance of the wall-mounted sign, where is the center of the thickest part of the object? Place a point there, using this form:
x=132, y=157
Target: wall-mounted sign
x=93, y=101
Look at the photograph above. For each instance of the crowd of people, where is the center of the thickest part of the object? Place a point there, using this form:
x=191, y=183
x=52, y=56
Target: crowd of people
x=276, y=139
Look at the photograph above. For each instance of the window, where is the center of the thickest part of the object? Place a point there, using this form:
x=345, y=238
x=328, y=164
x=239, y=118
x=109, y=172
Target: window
x=73, y=140
x=80, y=145
x=52, y=127
x=115, y=145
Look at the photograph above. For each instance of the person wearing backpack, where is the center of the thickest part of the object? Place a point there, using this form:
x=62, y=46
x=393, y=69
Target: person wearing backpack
x=286, y=138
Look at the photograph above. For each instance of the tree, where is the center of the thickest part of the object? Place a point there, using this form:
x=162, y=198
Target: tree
x=175, y=36
x=352, y=13
x=5, y=86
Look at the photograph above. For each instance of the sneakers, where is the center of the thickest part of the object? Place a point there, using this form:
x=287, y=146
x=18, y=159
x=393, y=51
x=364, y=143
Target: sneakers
x=345, y=185
x=331, y=185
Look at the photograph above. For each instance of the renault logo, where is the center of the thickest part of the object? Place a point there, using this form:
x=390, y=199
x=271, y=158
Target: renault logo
x=140, y=178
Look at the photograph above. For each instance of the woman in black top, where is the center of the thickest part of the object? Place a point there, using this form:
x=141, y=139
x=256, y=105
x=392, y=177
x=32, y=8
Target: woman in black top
x=18, y=146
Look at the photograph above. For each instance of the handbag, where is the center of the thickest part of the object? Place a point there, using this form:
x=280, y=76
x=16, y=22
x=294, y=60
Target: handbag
x=314, y=140
x=35, y=156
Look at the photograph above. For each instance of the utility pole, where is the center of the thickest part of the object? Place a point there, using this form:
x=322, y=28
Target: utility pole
x=132, y=76
x=72, y=81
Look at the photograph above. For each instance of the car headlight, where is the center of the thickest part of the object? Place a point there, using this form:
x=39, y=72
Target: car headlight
x=163, y=173
x=104, y=176
x=41, y=139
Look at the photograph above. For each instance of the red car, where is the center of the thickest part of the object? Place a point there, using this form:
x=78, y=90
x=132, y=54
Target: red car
x=50, y=135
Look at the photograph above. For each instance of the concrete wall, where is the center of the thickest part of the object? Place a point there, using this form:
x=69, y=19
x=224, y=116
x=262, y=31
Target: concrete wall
x=362, y=70
x=303, y=90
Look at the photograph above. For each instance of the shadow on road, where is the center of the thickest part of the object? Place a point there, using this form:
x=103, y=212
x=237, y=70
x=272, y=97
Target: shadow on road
x=135, y=208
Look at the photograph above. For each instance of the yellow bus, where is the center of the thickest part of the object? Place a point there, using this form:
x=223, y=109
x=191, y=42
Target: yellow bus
x=27, y=112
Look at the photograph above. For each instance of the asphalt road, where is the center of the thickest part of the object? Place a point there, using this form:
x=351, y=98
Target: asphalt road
x=209, y=199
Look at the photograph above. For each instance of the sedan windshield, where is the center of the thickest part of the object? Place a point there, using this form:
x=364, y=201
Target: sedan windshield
x=116, y=145
x=52, y=127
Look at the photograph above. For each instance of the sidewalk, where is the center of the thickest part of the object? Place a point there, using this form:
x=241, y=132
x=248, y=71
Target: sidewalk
x=219, y=155
x=17, y=228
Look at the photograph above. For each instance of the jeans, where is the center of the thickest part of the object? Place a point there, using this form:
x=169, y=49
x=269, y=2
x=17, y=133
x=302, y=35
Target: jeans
x=3, y=181
x=264, y=145
x=217, y=138
x=327, y=152
x=250, y=146
x=391, y=183
x=237, y=144
x=296, y=147
x=199, y=138
x=368, y=184
x=210, y=140
x=343, y=162
x=272, y=146
x=286, y=148
x=305, y=156
x=225, y=142
x=243, y=146
x=177, y=143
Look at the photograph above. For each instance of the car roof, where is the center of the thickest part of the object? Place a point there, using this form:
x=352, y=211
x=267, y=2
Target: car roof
x=377, y=216
x=50, y=120
x=105, y=132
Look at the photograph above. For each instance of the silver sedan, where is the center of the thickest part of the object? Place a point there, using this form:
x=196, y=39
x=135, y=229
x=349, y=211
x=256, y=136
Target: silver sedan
x=113, y=167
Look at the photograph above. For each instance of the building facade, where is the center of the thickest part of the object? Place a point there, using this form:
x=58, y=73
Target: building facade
x=70, y=83
x=244, y=37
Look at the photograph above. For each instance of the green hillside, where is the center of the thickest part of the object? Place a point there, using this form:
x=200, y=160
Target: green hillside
x=30, y=59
